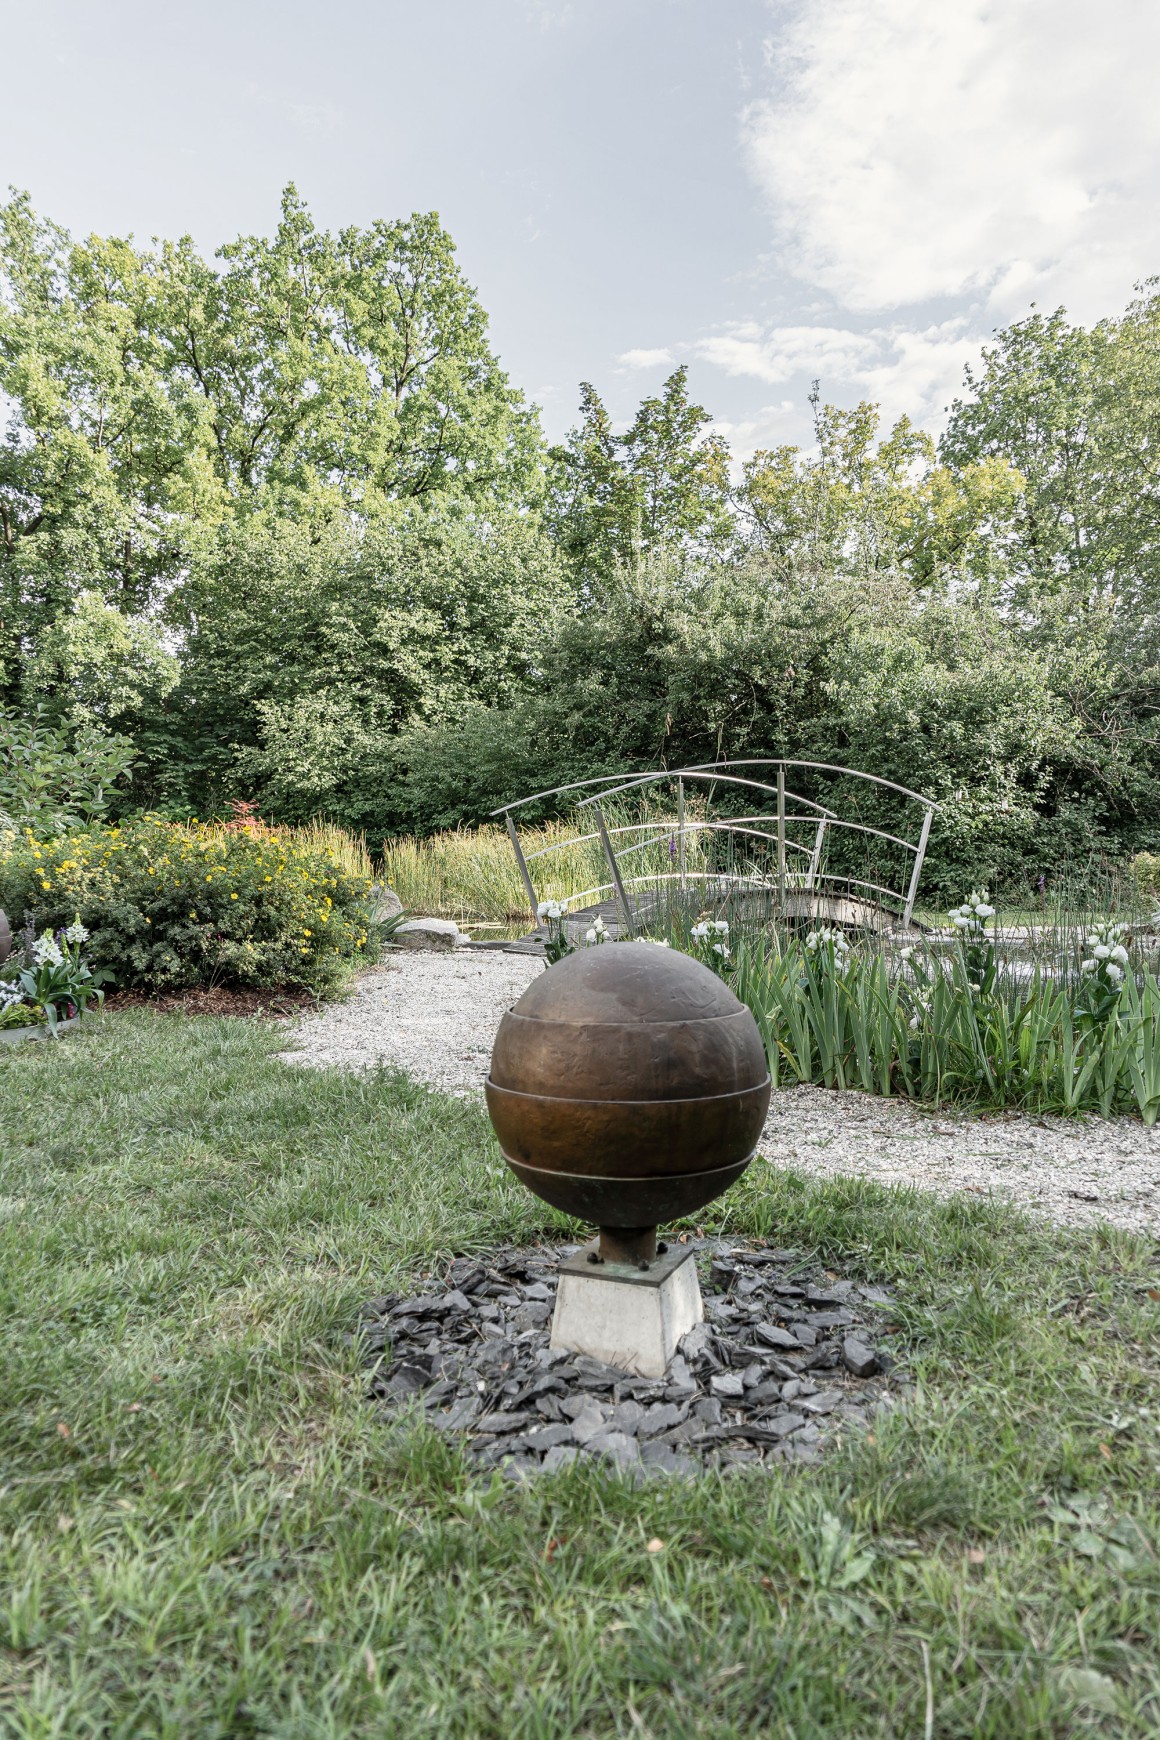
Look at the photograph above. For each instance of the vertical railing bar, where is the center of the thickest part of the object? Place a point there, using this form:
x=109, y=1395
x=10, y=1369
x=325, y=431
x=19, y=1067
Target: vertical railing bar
x=816, y=856
x=615, y=868
x=781, y=835
x=920, y=854
x=681, y=829
x=533, y=901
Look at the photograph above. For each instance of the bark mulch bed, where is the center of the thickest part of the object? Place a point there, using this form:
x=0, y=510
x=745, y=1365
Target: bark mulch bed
x=278, y=1003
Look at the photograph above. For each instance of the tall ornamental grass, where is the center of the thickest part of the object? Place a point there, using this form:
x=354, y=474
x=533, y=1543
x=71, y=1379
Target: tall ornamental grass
x=471, y=873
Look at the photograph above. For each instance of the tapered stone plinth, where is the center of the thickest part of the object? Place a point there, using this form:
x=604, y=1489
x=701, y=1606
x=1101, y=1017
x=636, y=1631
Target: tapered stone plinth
x=629, y=1317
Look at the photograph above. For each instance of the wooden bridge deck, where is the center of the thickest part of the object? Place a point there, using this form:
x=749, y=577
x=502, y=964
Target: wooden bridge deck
x=849, y=912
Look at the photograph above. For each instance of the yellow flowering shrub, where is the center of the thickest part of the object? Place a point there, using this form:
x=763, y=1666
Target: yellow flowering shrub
x=174, y=904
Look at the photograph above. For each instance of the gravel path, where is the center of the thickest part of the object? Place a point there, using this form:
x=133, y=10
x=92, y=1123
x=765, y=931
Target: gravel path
x=435, y=1016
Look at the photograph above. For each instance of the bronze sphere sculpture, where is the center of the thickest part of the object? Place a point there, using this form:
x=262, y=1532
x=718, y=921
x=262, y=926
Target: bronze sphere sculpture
x=628, y=1086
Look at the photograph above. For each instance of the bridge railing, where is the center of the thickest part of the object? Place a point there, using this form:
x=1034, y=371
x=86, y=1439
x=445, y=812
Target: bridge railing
x=769, y=826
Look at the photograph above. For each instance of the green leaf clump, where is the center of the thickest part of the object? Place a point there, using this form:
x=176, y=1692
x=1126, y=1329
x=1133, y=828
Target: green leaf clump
x=170, y=904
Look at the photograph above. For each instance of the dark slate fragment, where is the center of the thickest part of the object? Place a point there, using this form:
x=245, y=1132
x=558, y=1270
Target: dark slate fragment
x=823, y=1403
x=626, y=1417
x=660, y=1459
x=504, y=1422
x=615, y=1447
x=660, y=1417
x=549, y=1384
x=858, y=1358
x=590, y=1422
x=407, y=1380
x=694, y=1344
x=545, y=1437
x=774, y=1336
x=427, y=1305
x=782, y=1424
x=466, y=1274
x=835, y=1295
x=460, y=1416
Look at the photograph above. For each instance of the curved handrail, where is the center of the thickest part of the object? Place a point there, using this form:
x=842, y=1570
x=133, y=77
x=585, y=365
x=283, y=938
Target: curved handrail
x=669, y=830
x=819, y=767
x=710, y=768
x=572, y=785
x=604, y=786
x=713, y=774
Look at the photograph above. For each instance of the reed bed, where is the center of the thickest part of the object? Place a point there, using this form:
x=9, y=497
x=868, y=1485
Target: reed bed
x=345, y=850
x=471, y=873
x=871, y=1026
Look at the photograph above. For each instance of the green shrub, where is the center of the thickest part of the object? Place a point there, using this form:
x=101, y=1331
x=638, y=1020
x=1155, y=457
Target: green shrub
x=1145, y=869
x=171, y=904
x=51, y=778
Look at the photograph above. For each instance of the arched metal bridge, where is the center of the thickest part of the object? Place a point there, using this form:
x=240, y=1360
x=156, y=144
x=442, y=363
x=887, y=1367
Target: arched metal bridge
x=786, y=837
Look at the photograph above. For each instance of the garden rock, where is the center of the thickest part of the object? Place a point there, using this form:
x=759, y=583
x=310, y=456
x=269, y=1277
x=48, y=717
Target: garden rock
x=470, y=1350
x=386, y=904
x=436, y=934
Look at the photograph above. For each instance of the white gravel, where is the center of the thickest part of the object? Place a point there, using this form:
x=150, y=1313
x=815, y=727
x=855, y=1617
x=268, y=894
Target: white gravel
x=435, y=1017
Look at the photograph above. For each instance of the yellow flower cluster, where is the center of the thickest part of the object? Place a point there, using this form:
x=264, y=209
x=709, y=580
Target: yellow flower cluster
x=260, y=905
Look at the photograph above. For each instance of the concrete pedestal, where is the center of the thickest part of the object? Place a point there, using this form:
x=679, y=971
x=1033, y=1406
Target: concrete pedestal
x=628, y=1317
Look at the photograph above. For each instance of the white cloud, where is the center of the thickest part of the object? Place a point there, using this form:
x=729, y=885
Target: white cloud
x=645, y=359
x=911, y=369
x=932, y=167
x=784, y=352
x=916, y=149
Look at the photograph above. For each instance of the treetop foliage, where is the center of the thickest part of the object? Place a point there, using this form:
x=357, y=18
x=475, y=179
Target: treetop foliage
x=277, y=526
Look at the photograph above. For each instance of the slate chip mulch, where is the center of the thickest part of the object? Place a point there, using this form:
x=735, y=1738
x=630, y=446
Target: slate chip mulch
x=789, y=1356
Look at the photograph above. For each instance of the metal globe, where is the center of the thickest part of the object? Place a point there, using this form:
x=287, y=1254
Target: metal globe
x=628, y=1086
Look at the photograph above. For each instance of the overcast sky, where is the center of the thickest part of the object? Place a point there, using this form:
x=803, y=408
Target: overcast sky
x=859, y=190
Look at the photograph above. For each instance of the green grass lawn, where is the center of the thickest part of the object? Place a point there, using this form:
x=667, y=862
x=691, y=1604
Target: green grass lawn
x=206, y=1531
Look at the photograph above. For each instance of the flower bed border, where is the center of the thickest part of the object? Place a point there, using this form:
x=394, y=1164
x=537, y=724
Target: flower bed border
x=37, y=1030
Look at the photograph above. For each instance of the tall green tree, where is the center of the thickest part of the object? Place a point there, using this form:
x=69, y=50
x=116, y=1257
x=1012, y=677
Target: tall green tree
x=662, y=485
x=859, y=505
x=355, y=366
x=155, y=394
x=1077, y=413
x=105, y=455
x=306, y=648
